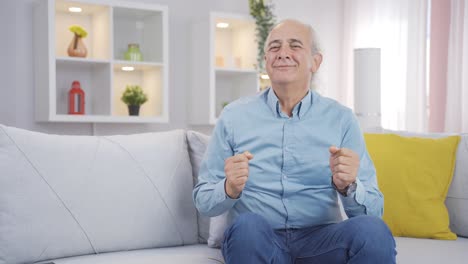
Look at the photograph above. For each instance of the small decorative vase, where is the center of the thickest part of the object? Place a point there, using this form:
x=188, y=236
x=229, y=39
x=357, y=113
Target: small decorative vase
x=133, y=110
x=77, y=47
x=76, y=99
x=133, y=53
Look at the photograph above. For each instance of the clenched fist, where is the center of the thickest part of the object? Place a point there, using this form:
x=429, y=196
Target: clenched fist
x=236, y=169
x=344, y=165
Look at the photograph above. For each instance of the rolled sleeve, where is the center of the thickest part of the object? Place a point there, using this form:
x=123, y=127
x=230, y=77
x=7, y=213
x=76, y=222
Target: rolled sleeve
x=367, y=199
x=209, y=194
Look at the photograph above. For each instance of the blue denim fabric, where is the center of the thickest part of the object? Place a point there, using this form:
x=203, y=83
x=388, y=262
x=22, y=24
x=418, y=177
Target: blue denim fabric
x=361, y=239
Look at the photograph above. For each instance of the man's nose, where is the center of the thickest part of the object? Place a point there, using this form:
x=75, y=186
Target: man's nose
x=283, y=53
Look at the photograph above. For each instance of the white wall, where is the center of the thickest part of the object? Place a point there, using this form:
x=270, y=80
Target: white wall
x=7, y=65
x=16, y=45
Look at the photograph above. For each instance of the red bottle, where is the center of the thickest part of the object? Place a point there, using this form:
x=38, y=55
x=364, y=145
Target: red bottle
x=76, y=99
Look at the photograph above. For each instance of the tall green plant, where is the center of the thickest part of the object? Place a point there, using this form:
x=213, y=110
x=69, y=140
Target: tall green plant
x=264, y=21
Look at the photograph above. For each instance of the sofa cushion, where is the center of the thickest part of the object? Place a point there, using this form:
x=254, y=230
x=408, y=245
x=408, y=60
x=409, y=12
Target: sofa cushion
x=211, y=229
x=457, y=196
x=431, y=251
x=74, y=195
x=193, y=254
x=197, y=143
x=414, y=174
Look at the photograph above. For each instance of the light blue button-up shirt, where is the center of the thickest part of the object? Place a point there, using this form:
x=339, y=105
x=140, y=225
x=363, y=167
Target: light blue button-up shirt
x=290, y=181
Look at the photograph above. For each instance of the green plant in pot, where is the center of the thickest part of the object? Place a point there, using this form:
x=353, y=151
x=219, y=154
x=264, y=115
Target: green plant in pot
x=134, y=97
x=262, y=12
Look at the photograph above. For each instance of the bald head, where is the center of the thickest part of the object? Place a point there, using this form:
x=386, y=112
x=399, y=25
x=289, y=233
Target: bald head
x=310, y=32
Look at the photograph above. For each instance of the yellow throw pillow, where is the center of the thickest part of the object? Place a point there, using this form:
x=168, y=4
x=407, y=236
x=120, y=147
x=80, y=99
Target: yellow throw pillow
x=414, y=174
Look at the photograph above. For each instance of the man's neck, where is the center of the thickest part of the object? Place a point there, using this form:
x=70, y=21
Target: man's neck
x=289, y=96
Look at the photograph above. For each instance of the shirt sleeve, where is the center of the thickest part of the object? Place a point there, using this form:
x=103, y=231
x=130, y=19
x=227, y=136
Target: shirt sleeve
x=209, y=194
x=367, y=199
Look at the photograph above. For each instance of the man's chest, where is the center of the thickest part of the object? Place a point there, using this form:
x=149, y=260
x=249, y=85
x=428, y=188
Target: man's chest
x=294, y=151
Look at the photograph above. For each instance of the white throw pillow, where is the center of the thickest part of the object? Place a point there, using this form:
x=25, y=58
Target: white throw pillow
x=211, y=229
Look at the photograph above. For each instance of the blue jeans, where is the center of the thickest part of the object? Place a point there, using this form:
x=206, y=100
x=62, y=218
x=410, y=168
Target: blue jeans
x=361, y=239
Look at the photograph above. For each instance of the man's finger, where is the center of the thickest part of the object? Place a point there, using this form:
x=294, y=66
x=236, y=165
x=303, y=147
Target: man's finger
x=342, y=168
x=345, y=152
x=240, y=165
x=238, y=158
x=343, y=177
x=341, y=160
x=248, y=155
x=333, y=149
x=239, y=173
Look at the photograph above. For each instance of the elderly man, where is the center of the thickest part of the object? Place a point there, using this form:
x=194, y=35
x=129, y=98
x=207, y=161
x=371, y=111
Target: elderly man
x=280, y=161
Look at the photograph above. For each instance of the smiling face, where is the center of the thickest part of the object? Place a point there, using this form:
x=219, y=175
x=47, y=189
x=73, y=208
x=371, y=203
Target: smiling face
x=288, y=54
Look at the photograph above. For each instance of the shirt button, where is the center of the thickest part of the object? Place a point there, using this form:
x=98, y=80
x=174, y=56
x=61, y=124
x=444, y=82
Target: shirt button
x=285, y=176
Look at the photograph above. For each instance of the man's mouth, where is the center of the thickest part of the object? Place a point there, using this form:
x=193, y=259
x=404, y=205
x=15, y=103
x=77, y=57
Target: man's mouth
x=284, y=66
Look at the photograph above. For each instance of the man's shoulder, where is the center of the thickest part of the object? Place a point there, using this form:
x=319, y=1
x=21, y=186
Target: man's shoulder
x=331, y=105
x=245, y=104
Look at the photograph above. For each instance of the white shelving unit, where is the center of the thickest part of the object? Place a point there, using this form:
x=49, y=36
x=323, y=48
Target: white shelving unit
x=223, y=64
x=111, y=26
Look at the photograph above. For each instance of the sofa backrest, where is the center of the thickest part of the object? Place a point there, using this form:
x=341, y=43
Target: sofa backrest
x=73, y=195
x=457, y=197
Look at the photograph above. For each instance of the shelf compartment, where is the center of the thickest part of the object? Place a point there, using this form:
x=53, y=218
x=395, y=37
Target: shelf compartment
x=143, y=27
x=231, y=85
x=235, y=46
x=94, y=78
x=149, y=76
x=233, y=76
x=95, y=19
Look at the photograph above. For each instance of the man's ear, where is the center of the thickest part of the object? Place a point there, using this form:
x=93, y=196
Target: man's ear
x=316, y=61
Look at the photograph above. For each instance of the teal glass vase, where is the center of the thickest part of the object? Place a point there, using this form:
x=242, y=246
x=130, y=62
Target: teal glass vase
x=133, y=53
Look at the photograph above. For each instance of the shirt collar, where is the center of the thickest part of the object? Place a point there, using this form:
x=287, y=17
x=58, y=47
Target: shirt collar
x=299, y=110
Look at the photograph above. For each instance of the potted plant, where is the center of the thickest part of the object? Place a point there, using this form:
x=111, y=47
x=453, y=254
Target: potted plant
x=134, y=97
x=77, y=48
x=264, y=20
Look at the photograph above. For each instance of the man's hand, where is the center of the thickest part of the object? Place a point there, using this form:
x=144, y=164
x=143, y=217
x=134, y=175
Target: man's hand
x=344, y=165
x=236, y=169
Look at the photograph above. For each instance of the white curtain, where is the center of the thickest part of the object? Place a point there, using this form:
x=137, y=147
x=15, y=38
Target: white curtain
x=398, y=28
x=456, y=114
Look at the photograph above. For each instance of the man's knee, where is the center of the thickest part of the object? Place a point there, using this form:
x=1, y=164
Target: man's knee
x=374, y=235
x=373, y=225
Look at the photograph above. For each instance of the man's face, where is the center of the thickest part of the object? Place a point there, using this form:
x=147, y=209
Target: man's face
x=288, y=55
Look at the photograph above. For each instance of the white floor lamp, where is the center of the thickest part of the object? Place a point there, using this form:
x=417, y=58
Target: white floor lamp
x=367, y=87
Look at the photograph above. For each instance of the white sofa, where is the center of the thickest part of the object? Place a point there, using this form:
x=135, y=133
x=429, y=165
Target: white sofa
x=122, y=199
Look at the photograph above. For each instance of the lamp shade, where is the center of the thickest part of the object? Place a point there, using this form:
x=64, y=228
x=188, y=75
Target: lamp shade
x=367, y=87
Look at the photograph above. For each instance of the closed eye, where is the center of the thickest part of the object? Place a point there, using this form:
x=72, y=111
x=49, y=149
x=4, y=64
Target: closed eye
x=274, y=48
x=295, y=46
